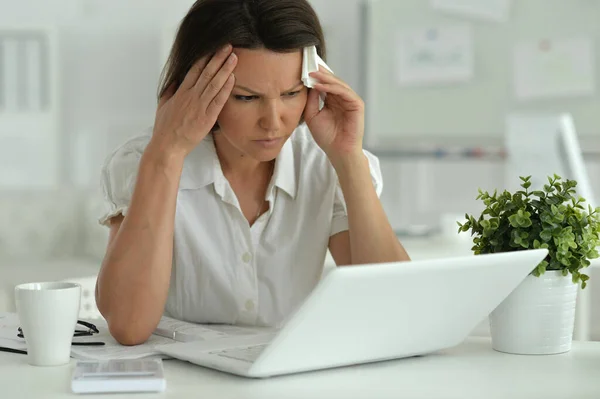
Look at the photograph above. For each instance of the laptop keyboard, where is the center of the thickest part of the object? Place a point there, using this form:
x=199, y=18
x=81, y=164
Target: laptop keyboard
x=247, y=354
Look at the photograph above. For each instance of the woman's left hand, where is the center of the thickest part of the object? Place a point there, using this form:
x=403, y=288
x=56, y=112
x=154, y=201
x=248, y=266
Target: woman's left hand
x=338, y=128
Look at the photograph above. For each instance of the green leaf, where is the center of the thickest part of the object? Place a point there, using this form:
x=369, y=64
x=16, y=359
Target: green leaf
x=541, y=269
x=546, y=235
x=525, y=221
x=553, y=218
x=494, y=223
x=514, y=221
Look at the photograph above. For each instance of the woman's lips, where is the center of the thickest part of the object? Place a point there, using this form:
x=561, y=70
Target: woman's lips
x=269, y=143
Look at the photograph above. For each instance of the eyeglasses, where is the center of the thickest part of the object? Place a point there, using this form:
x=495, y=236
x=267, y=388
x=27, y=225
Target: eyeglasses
x=91, y=330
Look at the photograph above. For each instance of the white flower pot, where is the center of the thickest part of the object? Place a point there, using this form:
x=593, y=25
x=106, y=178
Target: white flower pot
x=537, y=318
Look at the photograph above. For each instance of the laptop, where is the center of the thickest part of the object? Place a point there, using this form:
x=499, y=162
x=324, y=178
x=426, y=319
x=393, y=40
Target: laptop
x=369, y=313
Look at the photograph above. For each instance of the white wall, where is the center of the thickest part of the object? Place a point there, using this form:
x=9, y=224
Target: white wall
x=110, y=61
x=341, y=21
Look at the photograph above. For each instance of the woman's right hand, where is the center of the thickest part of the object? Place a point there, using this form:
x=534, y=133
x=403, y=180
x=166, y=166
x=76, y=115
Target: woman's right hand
x=185, y=115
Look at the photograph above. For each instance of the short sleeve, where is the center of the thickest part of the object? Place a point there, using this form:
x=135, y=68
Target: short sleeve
x=339, y=221
x=118, y=177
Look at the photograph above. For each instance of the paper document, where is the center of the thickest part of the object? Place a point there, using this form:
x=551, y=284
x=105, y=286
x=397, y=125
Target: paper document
x=493, y=10
x=554, y=68
x=113, y=350
x=166, y=330
x=9, y=323
x=434, y=55
x=184, y=331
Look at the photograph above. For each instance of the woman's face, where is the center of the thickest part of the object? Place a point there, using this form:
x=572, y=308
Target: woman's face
x=266, y=103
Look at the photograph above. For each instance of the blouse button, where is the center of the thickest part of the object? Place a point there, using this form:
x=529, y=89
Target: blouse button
x=247, y=257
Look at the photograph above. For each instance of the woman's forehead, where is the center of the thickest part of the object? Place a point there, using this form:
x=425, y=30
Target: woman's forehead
x=262, y=69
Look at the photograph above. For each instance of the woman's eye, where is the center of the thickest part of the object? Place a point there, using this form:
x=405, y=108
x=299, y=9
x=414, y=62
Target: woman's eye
x=292, y=93
x=245, y=98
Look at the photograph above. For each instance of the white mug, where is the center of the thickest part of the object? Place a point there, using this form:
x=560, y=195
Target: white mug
x=48, y=316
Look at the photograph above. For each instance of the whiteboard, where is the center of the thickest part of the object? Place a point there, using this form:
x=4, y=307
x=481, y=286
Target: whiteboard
x=474, y=111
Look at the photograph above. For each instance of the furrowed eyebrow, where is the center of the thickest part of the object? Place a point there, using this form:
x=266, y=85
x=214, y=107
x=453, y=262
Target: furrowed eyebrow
x=259, y=94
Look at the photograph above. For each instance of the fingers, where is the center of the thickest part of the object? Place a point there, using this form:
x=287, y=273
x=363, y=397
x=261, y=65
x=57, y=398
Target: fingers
x=312, y=105
x=324, y=76
x=343, y=92
x=197, y=71
x=216, y=105
x=167, y=94
x=194, y=73
x=214, y=86
x=224, y=59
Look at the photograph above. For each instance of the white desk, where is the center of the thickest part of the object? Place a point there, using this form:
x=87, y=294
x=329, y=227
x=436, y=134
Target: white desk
x=472, y=370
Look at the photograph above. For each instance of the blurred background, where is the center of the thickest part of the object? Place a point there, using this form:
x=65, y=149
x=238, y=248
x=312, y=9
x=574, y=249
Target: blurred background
x=445, y=83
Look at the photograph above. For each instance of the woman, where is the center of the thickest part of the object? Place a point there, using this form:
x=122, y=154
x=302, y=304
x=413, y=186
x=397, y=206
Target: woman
x=225, y=212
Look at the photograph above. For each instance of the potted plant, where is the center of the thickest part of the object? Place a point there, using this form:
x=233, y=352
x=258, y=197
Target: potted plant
x=538, y=316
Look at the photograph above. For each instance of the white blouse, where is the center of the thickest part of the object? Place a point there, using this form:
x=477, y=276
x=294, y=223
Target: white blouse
x=225, y=271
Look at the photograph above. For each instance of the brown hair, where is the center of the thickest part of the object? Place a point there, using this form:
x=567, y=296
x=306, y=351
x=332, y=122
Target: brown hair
x=277, y=25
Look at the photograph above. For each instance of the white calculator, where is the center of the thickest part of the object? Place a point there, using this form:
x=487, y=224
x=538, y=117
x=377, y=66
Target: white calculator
x=103, y=376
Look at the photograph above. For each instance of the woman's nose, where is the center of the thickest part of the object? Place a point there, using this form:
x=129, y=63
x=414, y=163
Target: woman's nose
x=271, y=118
